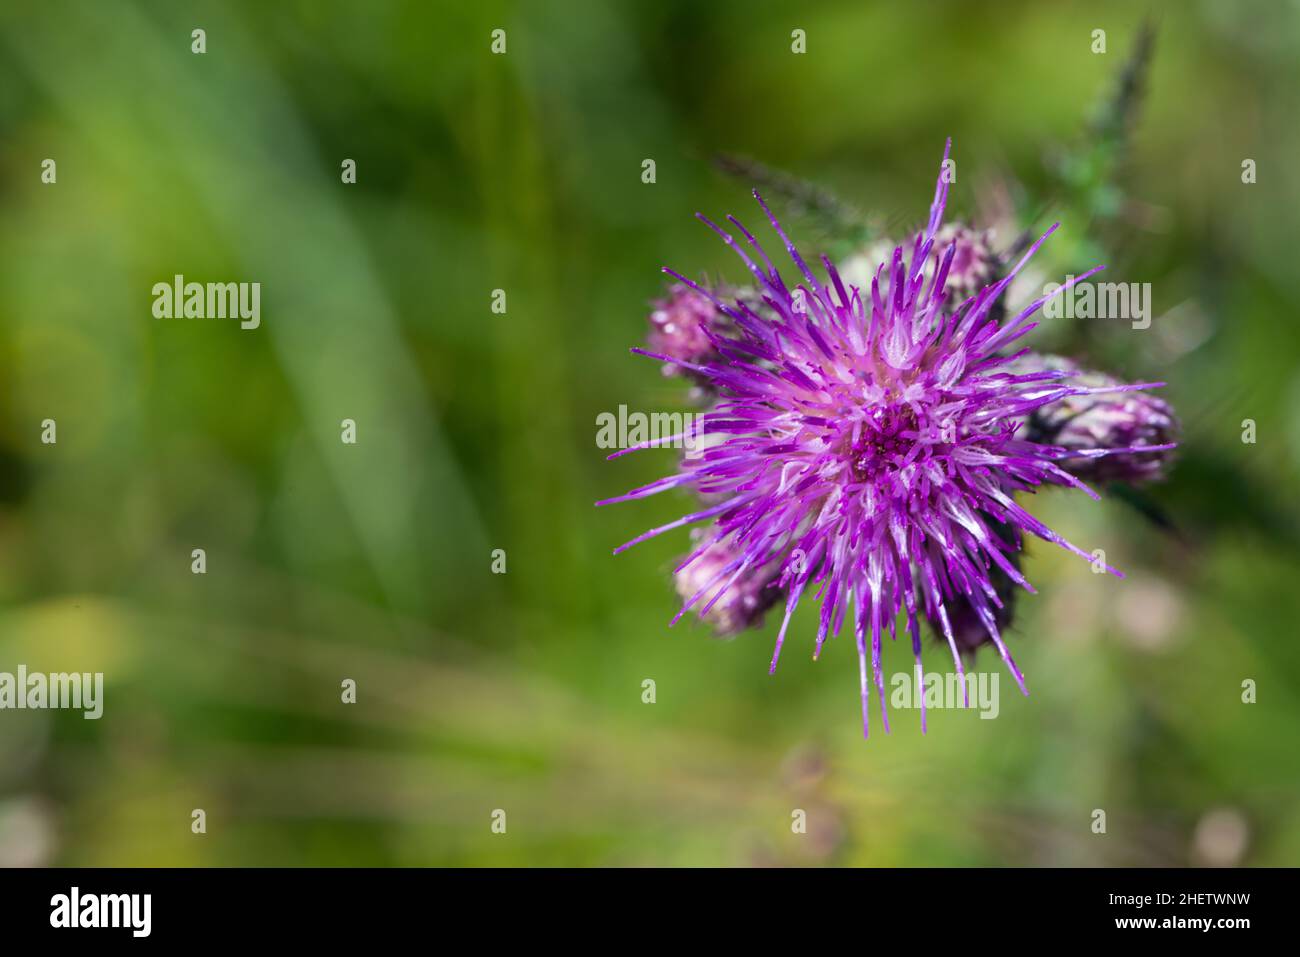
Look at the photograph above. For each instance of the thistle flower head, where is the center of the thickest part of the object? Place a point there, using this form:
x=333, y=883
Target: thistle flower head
x=867, y=440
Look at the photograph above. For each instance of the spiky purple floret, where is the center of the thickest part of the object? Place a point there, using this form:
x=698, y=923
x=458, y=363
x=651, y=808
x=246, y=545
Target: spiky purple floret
x=870, y=445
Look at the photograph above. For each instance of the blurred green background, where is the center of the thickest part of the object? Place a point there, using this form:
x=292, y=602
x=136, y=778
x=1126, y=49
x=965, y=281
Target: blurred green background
x=523, y=691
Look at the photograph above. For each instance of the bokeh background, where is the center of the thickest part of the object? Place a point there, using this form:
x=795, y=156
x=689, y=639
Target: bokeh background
x=476, y=431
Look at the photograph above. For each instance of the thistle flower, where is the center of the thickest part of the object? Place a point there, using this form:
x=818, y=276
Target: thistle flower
x=867, y=442
x=1137, y=428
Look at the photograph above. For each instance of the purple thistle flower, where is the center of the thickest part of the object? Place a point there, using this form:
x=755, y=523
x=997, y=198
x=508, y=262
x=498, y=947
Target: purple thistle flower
x=868, y=442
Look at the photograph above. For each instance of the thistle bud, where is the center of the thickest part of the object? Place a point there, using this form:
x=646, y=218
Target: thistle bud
x=744, y=602
x=677, y=325
x=974, y=264
x=1104, y=420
